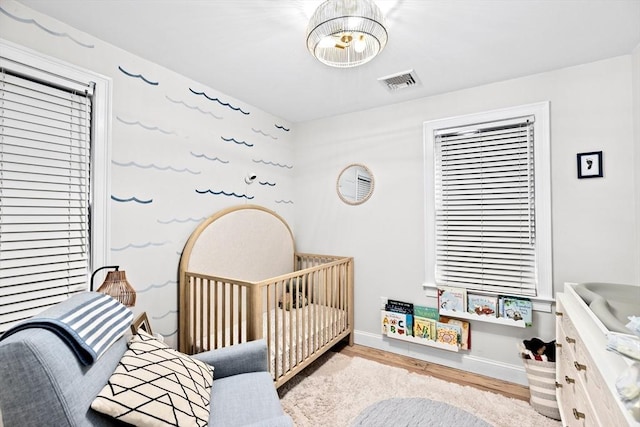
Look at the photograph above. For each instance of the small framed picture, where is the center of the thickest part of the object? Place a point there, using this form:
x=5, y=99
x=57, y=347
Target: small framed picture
x=590, y=165
x=141, y=323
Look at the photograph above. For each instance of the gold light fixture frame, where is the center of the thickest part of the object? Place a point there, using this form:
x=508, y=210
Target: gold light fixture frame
x=346, y=33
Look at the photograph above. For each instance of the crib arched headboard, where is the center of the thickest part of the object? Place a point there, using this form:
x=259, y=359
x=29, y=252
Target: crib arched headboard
x=246, y=242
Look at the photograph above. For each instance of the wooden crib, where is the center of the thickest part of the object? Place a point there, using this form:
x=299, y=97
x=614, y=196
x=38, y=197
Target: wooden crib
x=241, y=280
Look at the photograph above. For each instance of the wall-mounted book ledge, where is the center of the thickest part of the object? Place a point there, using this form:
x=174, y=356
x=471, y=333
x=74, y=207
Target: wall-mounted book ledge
x=446, y=326
x=499, y=309
x=484, y=318
x=417, y=340
x=424, y=326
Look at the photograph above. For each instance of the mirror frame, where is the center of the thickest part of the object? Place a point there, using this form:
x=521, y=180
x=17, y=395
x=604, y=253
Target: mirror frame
x=367, y=196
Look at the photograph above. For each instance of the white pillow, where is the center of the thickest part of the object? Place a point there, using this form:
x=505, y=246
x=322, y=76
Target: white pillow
x=155, y=385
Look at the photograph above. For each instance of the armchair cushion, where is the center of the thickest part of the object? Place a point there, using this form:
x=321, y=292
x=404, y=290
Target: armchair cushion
x=237, y=359
x=156, y=385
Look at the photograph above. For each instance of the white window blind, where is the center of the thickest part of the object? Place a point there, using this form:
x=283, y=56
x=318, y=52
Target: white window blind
x=363, y=186
x=45, y=136
x=485, y=227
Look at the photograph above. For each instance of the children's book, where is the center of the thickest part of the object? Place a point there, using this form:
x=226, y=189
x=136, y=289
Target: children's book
x=518, y=309
x=399, y=306
x=397, y=324
x=426, y=312
x=465, y=328
x=424, y=328
x=482, y=305
x=448, y=333
x=452, y=299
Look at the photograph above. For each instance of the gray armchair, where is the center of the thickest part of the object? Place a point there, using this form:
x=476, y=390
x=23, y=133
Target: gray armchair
x=43, y=383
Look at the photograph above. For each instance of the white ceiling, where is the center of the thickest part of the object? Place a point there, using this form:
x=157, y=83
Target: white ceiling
x=254, y=50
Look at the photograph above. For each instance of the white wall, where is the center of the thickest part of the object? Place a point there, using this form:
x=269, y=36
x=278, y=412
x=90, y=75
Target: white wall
x=594, y=220
x=160, y=133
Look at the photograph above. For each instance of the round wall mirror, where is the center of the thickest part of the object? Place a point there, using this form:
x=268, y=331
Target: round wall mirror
x=355, y=184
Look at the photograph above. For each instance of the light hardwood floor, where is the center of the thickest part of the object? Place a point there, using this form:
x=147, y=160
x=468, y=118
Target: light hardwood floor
x=481, y=382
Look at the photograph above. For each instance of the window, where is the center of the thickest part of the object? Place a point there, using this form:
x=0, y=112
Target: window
x=53, y=142
x=488, y=202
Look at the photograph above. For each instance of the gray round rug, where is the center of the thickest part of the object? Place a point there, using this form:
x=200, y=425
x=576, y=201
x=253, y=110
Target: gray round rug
x=415, y=412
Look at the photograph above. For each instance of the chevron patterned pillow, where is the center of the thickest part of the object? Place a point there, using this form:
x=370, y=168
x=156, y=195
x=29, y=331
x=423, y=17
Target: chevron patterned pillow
x=156, y=385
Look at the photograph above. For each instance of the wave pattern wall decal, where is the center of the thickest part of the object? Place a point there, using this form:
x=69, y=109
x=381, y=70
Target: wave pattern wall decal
x=191, y=107
x=170, y=334
x=131, y=199
x=263, y=133
x=42, y=27
x=270, y=184
x=154, y=286
x=290, y=202
x=153, y=166
x=272, y=164
x=168, y=313
x=213, y=159
x=181, y=221
x=282, y=127
x=236, y=141
x=152, y=128
x=224, y=104
x=139, y=246
x=138, y=76
x=217, y=193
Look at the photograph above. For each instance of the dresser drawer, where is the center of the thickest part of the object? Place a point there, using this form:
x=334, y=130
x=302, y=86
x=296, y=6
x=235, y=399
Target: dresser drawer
x=570, y=337
x=603, y=400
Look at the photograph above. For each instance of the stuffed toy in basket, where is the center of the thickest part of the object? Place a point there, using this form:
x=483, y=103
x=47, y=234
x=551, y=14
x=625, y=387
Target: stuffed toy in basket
x=539, y=363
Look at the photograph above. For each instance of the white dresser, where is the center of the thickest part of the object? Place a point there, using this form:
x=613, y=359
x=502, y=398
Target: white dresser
x=586, y=371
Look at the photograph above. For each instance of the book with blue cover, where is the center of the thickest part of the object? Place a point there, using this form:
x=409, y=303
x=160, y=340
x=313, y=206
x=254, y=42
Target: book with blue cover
x=517, y=308
x=452, y=299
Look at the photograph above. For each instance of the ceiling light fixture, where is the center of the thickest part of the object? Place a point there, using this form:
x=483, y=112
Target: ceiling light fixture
x=346, y=33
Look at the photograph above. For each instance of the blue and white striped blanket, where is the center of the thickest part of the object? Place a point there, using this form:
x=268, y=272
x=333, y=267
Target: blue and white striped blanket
x=88, y=328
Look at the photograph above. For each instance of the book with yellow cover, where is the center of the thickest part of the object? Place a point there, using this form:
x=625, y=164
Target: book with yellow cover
x=424, y=328
x=448, y=333
x=465, y=337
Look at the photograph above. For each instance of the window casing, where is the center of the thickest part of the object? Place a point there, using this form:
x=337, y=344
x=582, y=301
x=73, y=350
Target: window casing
x=54, y=164
x=487, y=186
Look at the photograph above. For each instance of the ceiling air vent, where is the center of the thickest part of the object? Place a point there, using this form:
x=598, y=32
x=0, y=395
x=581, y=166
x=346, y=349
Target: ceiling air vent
x=400, y=80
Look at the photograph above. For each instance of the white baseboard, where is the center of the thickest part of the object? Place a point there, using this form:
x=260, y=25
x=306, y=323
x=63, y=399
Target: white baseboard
x=477, y=365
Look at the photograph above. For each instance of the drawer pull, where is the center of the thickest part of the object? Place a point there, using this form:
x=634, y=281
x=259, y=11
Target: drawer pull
x=559, y=313
x=569, y=380
x=577, y=414
x=579, y=366
x=558, y=385
x=570, y=340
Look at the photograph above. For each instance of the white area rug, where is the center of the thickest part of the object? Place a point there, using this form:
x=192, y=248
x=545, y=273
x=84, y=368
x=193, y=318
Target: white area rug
x=337, y=388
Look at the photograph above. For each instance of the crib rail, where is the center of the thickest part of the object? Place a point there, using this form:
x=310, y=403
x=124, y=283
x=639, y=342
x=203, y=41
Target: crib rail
x=300, y=314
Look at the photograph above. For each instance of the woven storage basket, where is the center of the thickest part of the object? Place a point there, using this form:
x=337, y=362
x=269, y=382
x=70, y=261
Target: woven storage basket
x=542, y=387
